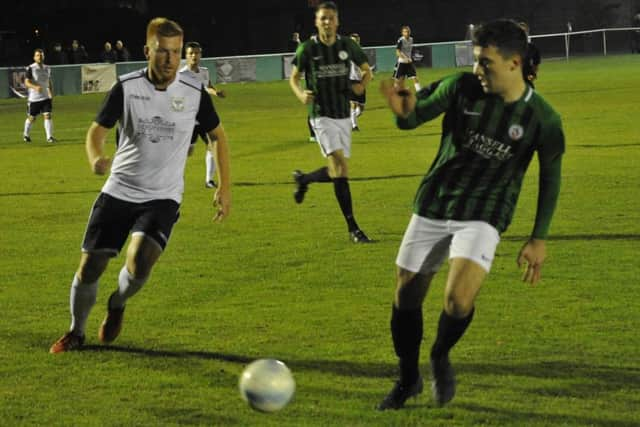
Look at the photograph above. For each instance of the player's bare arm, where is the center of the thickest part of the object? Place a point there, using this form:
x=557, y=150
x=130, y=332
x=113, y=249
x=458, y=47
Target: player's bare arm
x=305, y=96
x=94, y=144
x=531, y=259
x=401, y=101
x=222, y=197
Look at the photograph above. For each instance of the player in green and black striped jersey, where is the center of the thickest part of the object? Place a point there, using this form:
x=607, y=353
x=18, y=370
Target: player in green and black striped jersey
x=325, y=60
x=493, y=125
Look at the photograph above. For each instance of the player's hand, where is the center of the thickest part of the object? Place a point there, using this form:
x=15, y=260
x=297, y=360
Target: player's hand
x=401, y=100
x=357, y=88
x=221, y=204
x=38, y=88
x=101, y=165
x=531, y=258
x=307, y=97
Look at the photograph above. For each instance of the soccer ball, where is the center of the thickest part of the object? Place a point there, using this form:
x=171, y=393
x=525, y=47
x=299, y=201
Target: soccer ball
x=267, y=385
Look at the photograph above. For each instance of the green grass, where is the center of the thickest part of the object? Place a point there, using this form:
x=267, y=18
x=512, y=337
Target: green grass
x=281, y=280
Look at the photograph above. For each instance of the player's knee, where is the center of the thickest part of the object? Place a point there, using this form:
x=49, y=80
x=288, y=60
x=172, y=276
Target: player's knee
x=458, y=306
x=89, y=272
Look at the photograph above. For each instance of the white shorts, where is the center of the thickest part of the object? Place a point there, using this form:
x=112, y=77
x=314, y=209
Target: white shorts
x=427, y=242
x=332, y=134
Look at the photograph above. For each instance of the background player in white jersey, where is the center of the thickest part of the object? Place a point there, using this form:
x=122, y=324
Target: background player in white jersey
x=38, y=81
x=405, y=67
x=142, y=195
x=357, y=101
x=193, y=55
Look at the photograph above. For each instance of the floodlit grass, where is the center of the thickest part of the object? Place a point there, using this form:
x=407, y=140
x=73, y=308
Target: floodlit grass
x=281, y=280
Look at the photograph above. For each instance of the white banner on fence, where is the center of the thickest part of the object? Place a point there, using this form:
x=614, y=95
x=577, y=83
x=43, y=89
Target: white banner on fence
x=98, y=77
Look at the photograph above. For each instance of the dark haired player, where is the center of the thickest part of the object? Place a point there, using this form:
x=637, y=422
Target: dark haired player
x=326, y=59
x=493, y=125
x=404, y=66
x=193, y=56
x=38, y=82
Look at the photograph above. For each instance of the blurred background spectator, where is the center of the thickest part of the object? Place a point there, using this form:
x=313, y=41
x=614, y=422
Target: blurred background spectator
x=57, y=56
x=122, y=53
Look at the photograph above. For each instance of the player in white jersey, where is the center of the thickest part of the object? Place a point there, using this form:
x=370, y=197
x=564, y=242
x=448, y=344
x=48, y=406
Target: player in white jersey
x=157, y=110
x=38, y=81
x=193, y=55
x=357, y=101
x=405, y=67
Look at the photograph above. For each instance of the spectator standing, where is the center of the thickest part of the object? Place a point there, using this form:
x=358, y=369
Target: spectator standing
x=58, y=56
x=108, y=54
x=122, y=53
x=77, y=53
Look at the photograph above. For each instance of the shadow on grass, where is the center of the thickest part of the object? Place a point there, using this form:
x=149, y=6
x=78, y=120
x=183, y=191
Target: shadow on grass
x=363, y=178
x=621, y=236
x=586, y=380
x=507, y=416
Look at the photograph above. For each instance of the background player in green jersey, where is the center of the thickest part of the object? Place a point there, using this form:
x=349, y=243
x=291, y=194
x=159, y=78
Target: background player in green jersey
x=493, y=124
x=325, y=59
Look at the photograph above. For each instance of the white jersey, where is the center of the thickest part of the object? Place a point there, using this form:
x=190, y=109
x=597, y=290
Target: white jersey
x=40, y=75
x=155, y=135
x=405, y=46
x=202, y=74
x=355, y=73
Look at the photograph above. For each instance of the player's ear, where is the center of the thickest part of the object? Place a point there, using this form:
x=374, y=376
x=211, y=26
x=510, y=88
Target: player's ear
x=146, y=51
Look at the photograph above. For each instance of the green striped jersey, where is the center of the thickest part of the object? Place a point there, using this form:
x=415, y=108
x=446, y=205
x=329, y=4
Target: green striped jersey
x=485, y=150
x=326, y=71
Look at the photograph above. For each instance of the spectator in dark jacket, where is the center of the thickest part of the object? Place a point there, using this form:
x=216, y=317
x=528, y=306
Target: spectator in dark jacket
x=57, y=56
x=108, y=54
x=78, y=54
x=122, y=52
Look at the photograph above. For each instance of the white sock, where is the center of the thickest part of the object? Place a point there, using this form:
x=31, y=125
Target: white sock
x=81, y=299
x=211, y=165
x=417, y=86
x=48, y=127
x=354, y=123
x=27, y=127
x=128, y=286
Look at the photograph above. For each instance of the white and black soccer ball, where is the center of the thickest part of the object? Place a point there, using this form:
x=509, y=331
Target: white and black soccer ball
x=267, y=385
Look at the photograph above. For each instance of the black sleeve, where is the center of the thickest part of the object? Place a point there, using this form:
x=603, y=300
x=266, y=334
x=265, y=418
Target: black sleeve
x=207, y=116
x=112, y=107
x=29, y=74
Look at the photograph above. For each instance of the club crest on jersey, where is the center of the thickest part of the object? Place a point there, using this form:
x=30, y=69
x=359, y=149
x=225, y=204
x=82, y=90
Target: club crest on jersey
x=343, y=55
x=516, y=132
x=177, y=104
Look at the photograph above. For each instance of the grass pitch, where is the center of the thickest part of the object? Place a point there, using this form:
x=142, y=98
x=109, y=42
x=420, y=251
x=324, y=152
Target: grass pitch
x=281, y=280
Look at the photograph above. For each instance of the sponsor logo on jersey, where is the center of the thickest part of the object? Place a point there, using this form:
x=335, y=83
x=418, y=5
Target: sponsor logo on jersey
x=487, y=147
x=332, y=70
x=343, y=55
x=156, y=129
x=516, y=132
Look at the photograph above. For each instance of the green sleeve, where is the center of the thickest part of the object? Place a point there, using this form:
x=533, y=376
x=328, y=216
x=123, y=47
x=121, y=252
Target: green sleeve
x=430, y=106
x=357, y=54
x=300, y=60
x=550, y=158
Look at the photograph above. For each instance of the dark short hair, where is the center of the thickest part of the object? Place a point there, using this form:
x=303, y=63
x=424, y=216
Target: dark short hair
x=327, y=5
x=192, y=45
x=505, y=34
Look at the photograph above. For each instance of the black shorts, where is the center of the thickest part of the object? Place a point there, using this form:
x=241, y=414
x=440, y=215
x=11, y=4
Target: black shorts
x=35, y=108
x=360, y=99
x=404, y=69
x=199, y=132
x=113, y=219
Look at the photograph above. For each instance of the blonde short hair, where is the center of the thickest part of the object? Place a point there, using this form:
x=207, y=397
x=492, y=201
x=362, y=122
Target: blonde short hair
x=163, y=27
